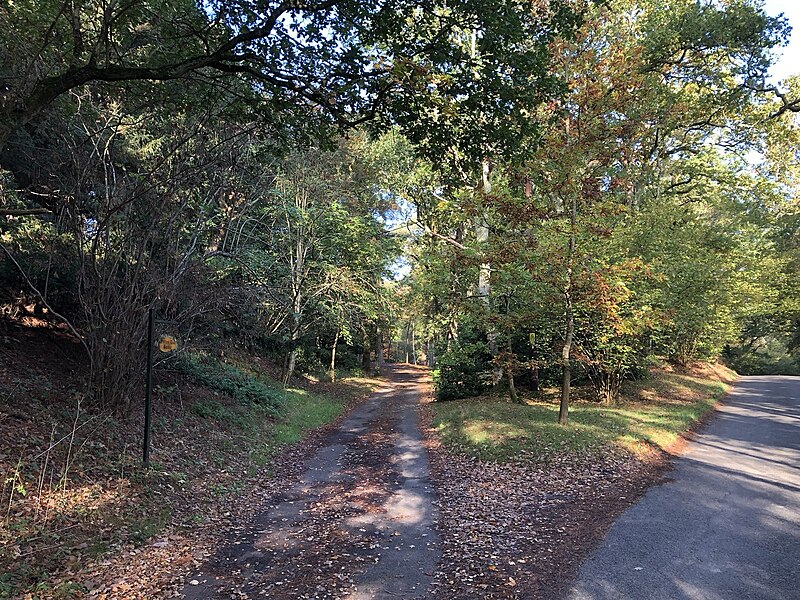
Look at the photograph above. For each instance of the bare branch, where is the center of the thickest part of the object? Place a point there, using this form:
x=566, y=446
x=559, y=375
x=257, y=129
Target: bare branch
x=787, y=104
x=50, y=308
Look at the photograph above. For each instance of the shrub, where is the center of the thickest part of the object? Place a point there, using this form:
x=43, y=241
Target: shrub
x=463, y=371
x=229, y=380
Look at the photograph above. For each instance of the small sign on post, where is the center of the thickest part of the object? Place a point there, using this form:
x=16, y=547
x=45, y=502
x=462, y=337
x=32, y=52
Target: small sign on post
x=167, y=343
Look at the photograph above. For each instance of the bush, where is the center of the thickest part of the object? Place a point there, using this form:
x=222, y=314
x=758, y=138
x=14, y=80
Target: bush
x=770, y=359
x=463, y=371
x=229, y=380
x=609, y=358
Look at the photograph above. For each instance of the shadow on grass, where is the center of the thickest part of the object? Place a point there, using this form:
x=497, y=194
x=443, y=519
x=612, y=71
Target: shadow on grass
x=653, y=413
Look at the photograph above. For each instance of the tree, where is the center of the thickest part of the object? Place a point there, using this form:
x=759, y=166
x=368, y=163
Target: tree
x=649, y=88
x=330, y=62
x=142, y=128
x=658, y=102
x=325, y=249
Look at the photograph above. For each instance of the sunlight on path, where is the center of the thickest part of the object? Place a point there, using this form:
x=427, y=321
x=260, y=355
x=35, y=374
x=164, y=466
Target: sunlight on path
x=727, y=522
x=359, y=523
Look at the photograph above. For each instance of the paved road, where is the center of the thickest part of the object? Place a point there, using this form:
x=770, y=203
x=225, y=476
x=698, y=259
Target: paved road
x=726, y=526
x=359, y=523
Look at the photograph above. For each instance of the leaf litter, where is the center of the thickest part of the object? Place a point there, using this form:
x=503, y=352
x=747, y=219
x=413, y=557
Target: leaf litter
x=521, y=530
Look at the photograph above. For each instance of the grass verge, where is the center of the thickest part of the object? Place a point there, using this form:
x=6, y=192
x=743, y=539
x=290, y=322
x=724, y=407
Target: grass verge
x=263, y=406
x=652, y=413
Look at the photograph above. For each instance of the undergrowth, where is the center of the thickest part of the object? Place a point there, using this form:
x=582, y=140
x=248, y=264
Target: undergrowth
x=293, y=411
x=227, y=379
x=75, y=480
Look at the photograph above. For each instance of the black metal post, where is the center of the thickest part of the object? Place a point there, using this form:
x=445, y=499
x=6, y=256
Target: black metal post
x=148, y=398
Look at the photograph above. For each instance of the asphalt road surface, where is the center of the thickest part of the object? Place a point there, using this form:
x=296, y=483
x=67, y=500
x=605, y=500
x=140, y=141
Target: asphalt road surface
x=726, y=524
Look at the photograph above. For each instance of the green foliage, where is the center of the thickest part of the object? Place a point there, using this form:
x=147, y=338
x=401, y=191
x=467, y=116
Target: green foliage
x=612, y=135
x=769, y=357
x=229, y=380
x=44, y=251
x=149, y=159
x=463, y=370
x=242, y=419
x=634, y=219
x=293, y=411
x=301, y=411
x=454, y=76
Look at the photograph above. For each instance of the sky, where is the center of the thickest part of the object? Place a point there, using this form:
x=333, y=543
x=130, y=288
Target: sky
x=789, y=62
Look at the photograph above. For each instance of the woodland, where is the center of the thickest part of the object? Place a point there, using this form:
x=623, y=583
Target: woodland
x=521, y=196
x=574, y=187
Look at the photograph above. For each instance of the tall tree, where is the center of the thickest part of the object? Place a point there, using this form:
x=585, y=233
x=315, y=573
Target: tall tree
x=326, y=61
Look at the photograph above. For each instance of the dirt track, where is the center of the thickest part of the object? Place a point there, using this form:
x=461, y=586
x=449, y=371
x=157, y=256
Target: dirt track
x=360, y=522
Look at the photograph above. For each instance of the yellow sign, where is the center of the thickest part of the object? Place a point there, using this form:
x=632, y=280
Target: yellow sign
x=167, y=343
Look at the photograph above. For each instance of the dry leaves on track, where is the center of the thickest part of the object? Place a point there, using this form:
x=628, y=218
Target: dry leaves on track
x=521, y=530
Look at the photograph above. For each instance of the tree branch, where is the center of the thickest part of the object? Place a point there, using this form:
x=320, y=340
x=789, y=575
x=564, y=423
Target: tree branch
x=49, y=88
x=23, y=212
x=787, y=105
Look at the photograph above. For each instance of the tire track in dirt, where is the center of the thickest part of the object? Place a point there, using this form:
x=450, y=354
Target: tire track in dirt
x=359, y=522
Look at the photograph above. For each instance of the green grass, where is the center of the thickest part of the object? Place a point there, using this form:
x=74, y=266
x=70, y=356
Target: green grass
x=299, y=410
x=654, y=413
x=269, y=416
x=303, y=411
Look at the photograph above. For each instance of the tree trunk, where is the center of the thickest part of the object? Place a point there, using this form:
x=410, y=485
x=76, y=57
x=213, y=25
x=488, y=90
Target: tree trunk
x=296, y=324
x=563, y=413
x=535, y=379
x=365, y=355
x=484, y=274
x=297, y=263
x=333, y=357
x=452, y=325
x=290, y=365
x=452, y=331
x=292, y=359
x=413, y=347
x=379, y=352
x=512, y=389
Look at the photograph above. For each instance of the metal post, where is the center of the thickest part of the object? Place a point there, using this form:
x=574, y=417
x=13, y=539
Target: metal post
x=148, y=404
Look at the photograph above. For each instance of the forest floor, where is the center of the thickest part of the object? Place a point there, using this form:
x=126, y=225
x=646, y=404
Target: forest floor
x=312, y=503
x=81, y=517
